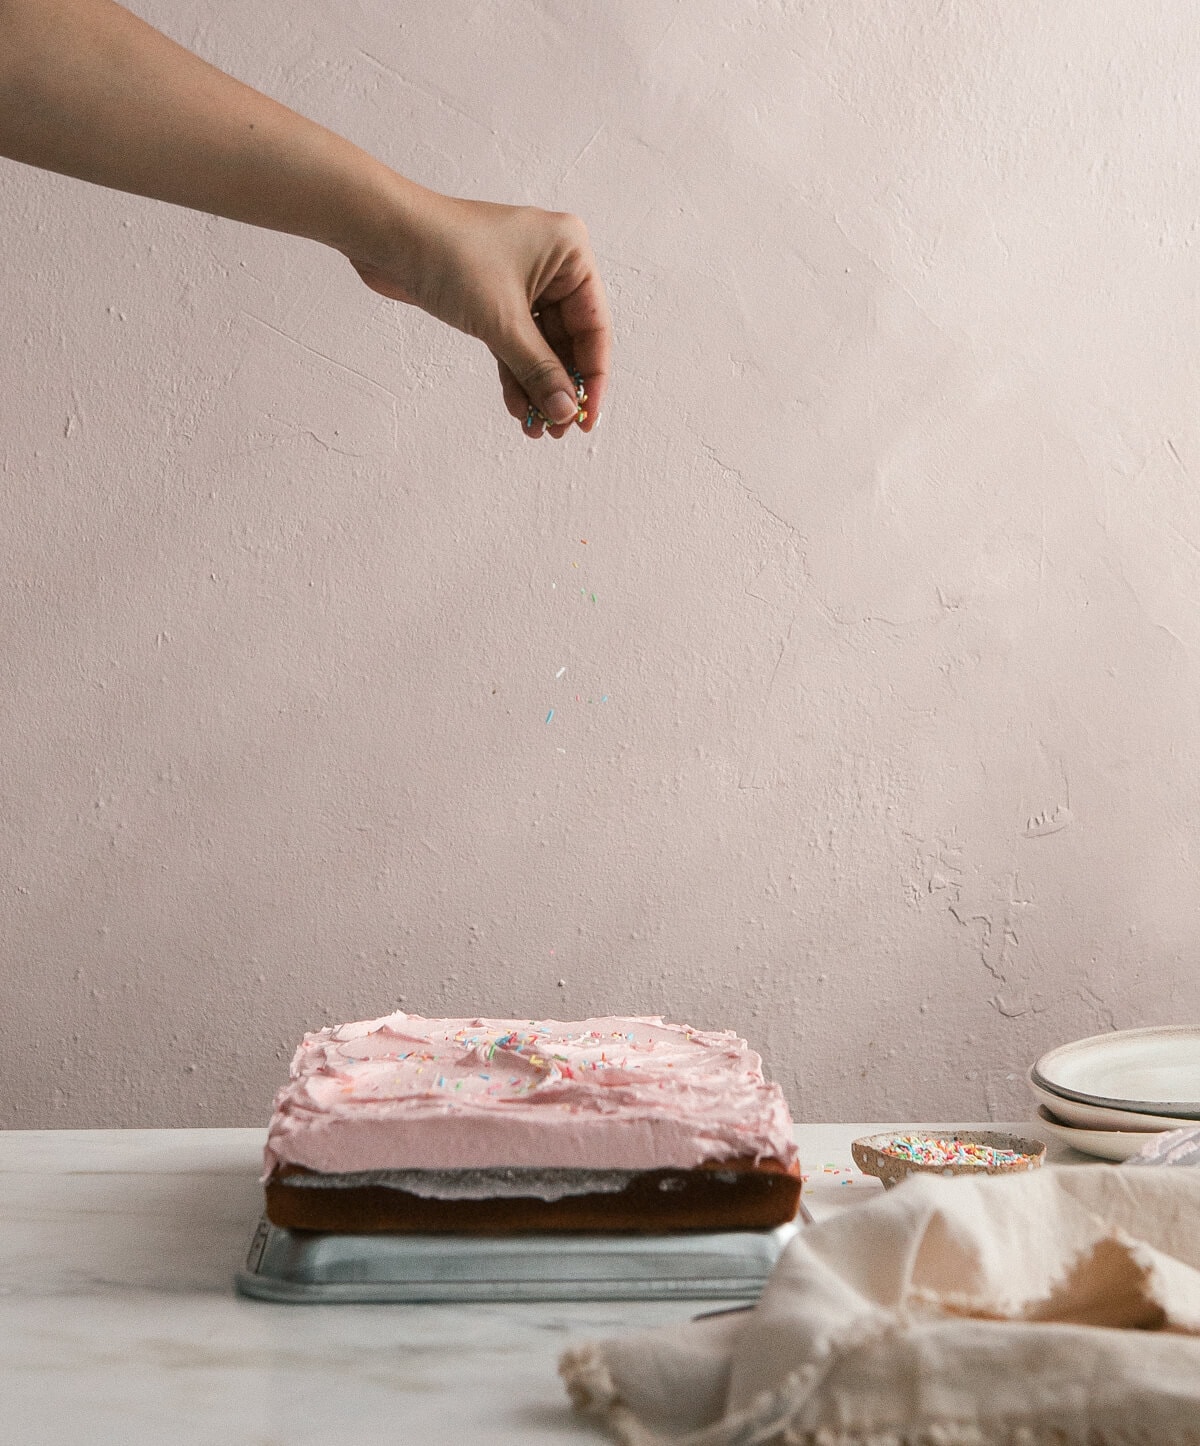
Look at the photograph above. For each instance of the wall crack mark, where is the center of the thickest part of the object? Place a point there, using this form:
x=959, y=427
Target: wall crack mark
x=321, y=356
x=770, y=692
x=434, y=95
x=583, y=150
x=711, y=453
x=1099, y=1005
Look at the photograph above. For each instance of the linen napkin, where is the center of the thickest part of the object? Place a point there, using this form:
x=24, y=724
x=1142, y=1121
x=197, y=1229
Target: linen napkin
x=1060, y=1306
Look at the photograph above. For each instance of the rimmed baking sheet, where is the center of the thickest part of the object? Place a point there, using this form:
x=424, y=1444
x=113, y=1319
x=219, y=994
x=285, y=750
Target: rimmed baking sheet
x=305, y=1268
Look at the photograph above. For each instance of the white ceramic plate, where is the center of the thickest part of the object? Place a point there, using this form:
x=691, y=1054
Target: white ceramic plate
x=1098, y=1117
x=1107, y=1144
x=1153, y=1071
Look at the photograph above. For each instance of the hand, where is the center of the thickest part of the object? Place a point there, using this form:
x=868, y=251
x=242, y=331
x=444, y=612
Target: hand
x=523, y=281
x=88, y=89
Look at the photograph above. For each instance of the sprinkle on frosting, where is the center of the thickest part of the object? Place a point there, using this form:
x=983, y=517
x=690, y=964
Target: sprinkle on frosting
x=404, y=1092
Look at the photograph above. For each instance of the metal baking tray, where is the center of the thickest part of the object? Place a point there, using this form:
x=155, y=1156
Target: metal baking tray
x=310, y=1268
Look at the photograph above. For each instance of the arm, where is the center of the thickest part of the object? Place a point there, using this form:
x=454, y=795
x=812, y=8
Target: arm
x=88, y=89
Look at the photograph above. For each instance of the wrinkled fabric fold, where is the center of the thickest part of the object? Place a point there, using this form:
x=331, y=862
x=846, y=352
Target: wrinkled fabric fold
x=1061, y=1307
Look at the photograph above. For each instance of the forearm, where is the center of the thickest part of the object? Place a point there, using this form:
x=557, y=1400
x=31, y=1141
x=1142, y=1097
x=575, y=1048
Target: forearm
x=88, y=89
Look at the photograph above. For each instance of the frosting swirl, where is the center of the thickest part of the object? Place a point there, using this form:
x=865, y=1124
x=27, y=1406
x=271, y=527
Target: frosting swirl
x=404, y=1092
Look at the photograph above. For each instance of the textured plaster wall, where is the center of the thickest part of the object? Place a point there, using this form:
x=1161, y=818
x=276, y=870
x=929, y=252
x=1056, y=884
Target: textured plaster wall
x=877, y=591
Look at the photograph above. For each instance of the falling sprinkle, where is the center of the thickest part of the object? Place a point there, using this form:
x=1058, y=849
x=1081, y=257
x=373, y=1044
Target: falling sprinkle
x=560, y=672
x=593, y=597
x=550, y=716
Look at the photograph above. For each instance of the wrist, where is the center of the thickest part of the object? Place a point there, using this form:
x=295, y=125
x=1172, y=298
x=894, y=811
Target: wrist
x=381, y=221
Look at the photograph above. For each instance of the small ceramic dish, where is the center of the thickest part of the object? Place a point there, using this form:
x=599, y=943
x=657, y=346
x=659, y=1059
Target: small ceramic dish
x=1103, y=1144
x=1098, y=1117
x=891, y=1158
x=1153, y=1071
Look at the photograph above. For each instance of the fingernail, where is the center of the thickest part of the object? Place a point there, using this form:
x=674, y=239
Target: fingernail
x=561, y=407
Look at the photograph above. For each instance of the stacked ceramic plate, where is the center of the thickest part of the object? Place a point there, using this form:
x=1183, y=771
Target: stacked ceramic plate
x=1111, y=1095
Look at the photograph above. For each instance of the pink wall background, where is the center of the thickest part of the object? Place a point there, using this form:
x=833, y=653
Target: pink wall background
x=892, y=529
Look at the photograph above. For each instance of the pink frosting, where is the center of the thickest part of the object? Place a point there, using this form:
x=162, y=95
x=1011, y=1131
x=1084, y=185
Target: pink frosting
x=404, y=1092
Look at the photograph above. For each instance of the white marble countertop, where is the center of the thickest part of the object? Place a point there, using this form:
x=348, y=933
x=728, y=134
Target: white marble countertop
x=118, y=1320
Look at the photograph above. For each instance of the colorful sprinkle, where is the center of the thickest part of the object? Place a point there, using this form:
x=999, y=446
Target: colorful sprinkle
x=927, y=1150
x=534, y=415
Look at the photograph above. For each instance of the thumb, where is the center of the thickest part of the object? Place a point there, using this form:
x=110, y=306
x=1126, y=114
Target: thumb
x=541, y=375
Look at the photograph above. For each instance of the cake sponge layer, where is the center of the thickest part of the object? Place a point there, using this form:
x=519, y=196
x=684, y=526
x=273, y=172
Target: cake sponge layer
x=739, y=1195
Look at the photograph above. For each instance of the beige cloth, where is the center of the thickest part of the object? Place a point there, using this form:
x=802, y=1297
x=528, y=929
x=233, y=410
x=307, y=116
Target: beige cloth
x=1060, y=1306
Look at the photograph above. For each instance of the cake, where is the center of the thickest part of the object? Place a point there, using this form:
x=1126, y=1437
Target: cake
x=495, y=1126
